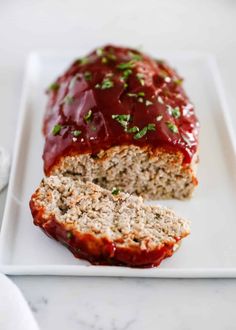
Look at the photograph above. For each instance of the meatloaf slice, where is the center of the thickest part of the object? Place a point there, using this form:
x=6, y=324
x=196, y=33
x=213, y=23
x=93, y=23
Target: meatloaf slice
x=106, y=227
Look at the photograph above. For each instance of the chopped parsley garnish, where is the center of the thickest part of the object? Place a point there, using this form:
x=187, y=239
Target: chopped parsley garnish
x=174, y=112
x=76, y=133
x=68, y=99
x=172, y=127
x=106, y=83
x=159, y=118
x=56, y=129
x=104, y=60
x=130, y=64
x=133, y=129
x=115, y=191
x=54, y=87
x=126, y=74
x=151, y=127
x=69, y=235
x=83, y=60
x=140, y=77
x=99, y=51
x=178, y=82
x=122, y=119
x=87, y=75
x=135, y=57
x=140, y=134
x=111, y=56
x=126, y=65
x=88, y=116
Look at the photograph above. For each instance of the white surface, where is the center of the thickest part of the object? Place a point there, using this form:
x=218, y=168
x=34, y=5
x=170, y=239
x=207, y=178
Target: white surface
x=184, y=24
x=214, y=257
x=4, y=168
x=14, y=310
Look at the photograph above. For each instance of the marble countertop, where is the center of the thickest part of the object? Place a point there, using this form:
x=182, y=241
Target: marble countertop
x=118, y=303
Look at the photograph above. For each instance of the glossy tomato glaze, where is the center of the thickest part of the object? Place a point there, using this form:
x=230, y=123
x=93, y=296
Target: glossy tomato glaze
x=99, y=251
x=118, y=96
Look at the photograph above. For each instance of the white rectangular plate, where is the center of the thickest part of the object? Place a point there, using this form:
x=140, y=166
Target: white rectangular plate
x=210, y=250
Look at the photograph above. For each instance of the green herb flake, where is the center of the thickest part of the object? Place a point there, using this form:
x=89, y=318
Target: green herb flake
x=76, y=133
x=56, y=129
x=99, y=51
x=159, y=118
x=115, y=191
x=151, y=127
x=126, y=65
x=178, y=82
x=69, y=235
x=54, y=87
x=140, y=134
x=140, y=77
x=83, y=60
x=107, y=83
x=111, y=57
x=88, y=116
x=135, y=57
x=87, y=75
x=133, y=129
x=126, y=74
x=141, y=94
x=174, y=112
x=172, y=127
x=123, y=120
x=104, y=60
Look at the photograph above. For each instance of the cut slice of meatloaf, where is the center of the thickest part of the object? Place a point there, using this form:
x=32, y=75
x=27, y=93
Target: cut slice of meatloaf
x=141, y=171
x=106, y=227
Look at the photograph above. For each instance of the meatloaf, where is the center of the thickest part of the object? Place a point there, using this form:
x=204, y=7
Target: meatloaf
x=118, y=117
x=105, y=227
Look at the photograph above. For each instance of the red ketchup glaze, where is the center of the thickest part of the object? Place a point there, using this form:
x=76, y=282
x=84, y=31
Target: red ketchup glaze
x=146, y=94
x=99, y=251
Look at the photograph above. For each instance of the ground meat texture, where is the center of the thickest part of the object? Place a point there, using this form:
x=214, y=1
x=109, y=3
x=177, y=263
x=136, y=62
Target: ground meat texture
x=104, y=227
x=140, y=171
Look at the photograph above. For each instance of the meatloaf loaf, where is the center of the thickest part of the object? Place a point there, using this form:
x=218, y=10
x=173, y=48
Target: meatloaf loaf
x=105, y=227
x=120, y=118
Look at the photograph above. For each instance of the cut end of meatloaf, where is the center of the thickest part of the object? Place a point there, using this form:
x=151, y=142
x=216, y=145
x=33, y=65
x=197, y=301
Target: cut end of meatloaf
x=152, y=174
x=104, y=227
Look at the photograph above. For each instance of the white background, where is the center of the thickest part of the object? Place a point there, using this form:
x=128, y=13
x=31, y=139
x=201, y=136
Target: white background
x=102, y=303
